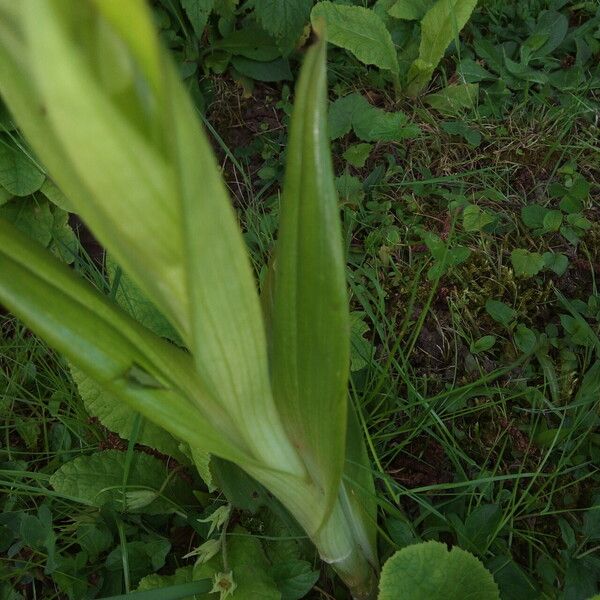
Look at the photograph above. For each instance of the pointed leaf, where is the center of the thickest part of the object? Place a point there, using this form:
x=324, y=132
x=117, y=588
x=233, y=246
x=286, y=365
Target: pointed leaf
x=153, y=376
x=310, y=322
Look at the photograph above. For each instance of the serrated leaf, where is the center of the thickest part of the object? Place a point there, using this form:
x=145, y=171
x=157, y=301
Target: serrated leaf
x=357, y=154
x=368, y=122
x=525, y=263
x=118, y=417
x=440, y=26
x=97, y=479
x=18, y=173
x=284, y=20
x=197, y=12
x=360, y=31
x=428, y=571
x=552, y=220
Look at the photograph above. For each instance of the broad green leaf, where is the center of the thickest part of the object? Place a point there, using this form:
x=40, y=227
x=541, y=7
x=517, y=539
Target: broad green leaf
x=483, y=344
x=125, y=160
x=120, y=418
x=294, y=578
x=454, y=99
x=31, y=217
x=251, y=42
x=410, y=10
x=111, y=347
x=275, y=70
x=149, y=164
x=472, y=136
x=556, y=261
x=525, y=263
x=53, y=193
x=525, y=339
x=129, y=296
x=439, y=28
x=357, y=154
x=500, y=312
x=248, y=565
x=198, y=12
x=284, y=20
x=342, y=112
x=429, y=571
x=475, y=219
x=18, y=173
x=533, y=216
x=368, y=122
x=310, y=324
x=360, y=31
x=97, y=479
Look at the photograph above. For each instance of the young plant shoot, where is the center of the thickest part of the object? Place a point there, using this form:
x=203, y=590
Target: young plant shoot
x=261, y=385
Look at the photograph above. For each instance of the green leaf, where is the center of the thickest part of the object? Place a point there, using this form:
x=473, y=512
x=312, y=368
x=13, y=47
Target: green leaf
x=129, y=296
x=472, y=136
x=552, y=220
x=556, y=261
x=483, y=344
x=376, y=125
x=475, y=219
x=107, y=344
x=525, y=339
x=284, y=20
x=533, y=216
x=360, y=31
x=198, y=12
x=275, y=70
x=342, y=112
x=454, y=99
x=310, y=357
x=357, y=154
x=294, y=578
x=120, y=418
x=428, y=571
x=440, y=26
x=53, y=193
x=249, y=567
x=31, y=217
x=97, y=479
x=525, y=263
x=500, y=312
x=18, y=173
x=410, y=10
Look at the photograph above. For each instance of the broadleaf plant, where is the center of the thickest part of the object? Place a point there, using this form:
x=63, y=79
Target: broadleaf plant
x=103, y=107
x=260, y=382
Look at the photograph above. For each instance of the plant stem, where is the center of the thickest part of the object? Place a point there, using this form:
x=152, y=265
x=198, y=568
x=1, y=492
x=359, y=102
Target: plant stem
x=338, y=547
